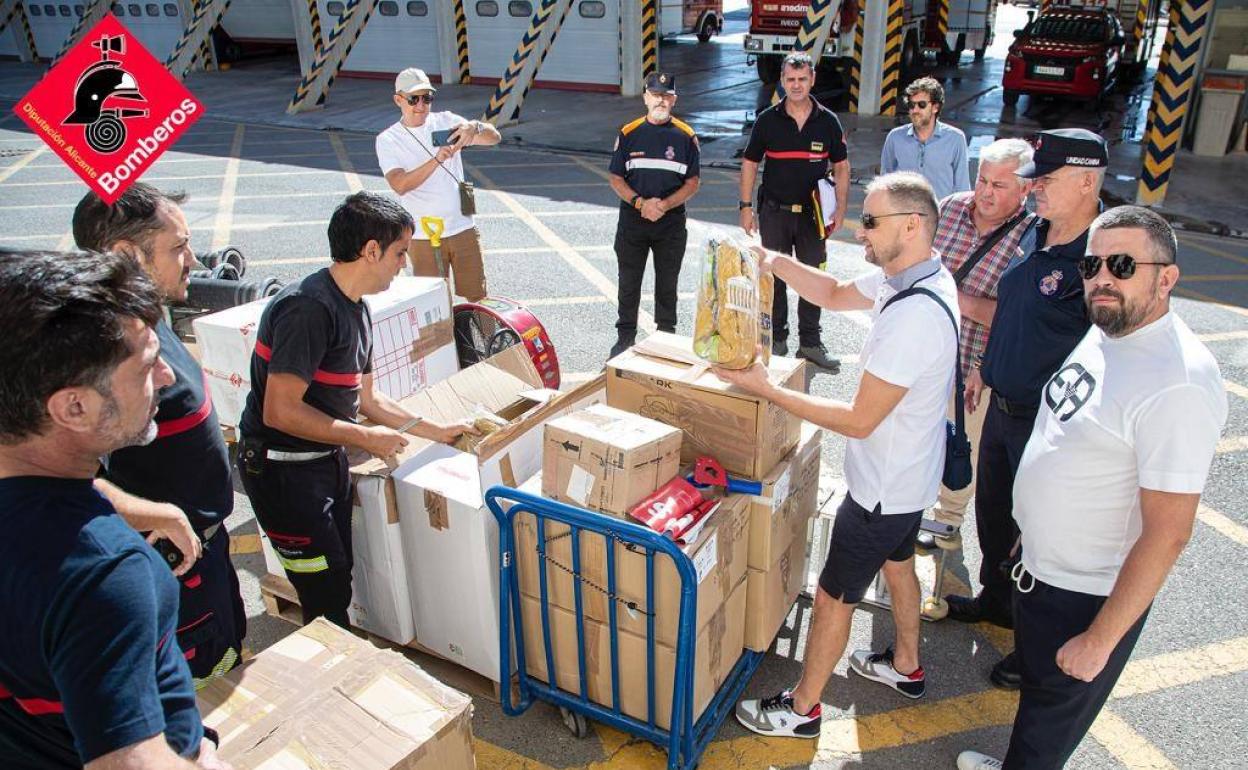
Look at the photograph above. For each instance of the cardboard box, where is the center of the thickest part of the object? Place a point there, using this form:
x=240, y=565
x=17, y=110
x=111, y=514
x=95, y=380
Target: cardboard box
x=450, y=538
x=662, y=379
x=716, y=651
x=323, y=698
x=790, y=497
x=413, y=343
x=606, y=459
x=718, y=552
x=770, y=594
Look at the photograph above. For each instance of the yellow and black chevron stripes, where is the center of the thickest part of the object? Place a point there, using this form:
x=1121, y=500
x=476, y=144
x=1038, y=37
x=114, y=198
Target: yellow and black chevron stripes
x=1137, y=32
x=89, y=16
x=17, y=15
x=890, y=83
x=855, y=65
x=1175, y=82
x=649, y=37
x=942, y=21
x=314, y=14
x=330, y=58
x=195, y=35
x=204, y=57
x=817, y=14
x=1172, y=24
x=541, y=60
x=461, y=41
x=528, y=43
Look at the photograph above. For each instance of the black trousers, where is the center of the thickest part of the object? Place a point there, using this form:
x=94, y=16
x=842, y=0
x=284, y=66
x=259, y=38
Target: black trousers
x=211, y=619
x=635, y=238
x=1055, y=710
x=795, y=234
x=305, y=509
x=1000, y=450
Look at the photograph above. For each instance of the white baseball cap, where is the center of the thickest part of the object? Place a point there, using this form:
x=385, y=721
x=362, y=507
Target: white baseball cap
x=412, y=80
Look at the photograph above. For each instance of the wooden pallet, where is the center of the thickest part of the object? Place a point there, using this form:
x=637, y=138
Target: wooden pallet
x=281, y=601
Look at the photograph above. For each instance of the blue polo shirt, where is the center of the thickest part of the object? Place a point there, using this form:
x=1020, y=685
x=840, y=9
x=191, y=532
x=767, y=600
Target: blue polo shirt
x=1041, y=317
x=941, y=159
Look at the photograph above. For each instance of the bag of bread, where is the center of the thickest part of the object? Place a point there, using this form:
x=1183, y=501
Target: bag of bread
x=726, y=328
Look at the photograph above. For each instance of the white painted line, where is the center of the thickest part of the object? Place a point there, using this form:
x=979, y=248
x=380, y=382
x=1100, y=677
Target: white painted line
x=1223, y=336
x=344, y=161
x=225, y=202
x=1223, y=524
x=66, y=242
x=23, y=163
x=1235, y=388
x=1128, y=746
x=1232, y=444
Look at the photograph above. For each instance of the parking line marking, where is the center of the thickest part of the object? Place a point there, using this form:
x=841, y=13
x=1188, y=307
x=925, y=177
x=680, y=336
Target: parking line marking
x=1214, y=251
x=344, y=162
x=557, y=301
x=1223, y=524
x=1216, y=278
x=498, y=758
x=225, y=201
x=193, y=177
x=1183, y=667
x=1235, y=388
x=1192, y=294
x=591, y=167
x=21, y=164
x=1223, y=336
x=1232, y=444
x=244, y=544
x=1127, y=745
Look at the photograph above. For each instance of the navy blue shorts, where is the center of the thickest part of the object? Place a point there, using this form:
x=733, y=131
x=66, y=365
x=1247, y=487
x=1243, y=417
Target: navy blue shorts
x=862, y=541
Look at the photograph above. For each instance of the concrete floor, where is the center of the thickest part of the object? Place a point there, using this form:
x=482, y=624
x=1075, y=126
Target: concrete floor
x=548, y=221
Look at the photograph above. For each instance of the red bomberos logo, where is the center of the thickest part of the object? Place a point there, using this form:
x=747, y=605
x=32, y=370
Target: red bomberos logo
x=109, y=109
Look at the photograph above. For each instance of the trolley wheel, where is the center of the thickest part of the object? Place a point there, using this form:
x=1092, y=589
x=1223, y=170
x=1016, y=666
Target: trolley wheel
x=577, y=724
x=935, y=608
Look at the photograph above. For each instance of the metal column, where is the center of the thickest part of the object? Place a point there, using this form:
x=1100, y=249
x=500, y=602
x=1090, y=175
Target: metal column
x=207, y=15
x=855, y=65
x=504, y=107
x=13, y=17
x=631, y=74
x=649, y=37
x=452, y=41
x=890, y=86
x=872, y=56
x=314, y=87
x=308, y=34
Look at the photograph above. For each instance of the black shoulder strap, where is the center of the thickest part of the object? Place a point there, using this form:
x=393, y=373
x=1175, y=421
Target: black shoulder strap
x=992, y=240
x=959, y=419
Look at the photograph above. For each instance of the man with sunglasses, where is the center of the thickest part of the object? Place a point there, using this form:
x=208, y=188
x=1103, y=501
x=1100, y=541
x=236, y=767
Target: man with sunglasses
x=421, y=161
x=928, y=146
x=802, y=143
x=1129, y=425
x=1040, y=317
x=894, y=456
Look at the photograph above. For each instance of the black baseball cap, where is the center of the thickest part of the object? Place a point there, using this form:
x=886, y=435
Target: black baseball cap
x=661, y=83
x=1060, y=147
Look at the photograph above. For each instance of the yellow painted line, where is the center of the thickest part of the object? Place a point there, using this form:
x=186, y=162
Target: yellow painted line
x=344, y=162
x=1232, y=444
x=498, y=758
x=225, y=201
x=591, y=167
x=1214, y=251
x=1001, y=639
x=1235, y=388
x=1128, y=746
x=244, y=544
x=1223, y=524
x=1193, y=294
x=21, y=164
x=1223, y=336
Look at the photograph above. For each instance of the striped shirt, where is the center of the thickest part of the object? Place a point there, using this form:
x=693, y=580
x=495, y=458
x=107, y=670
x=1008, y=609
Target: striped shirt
x=956, y=240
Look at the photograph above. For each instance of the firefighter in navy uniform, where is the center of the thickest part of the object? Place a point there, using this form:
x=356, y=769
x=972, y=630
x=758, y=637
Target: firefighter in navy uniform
x=311, y=378
x=654, y=170
x=178, y=487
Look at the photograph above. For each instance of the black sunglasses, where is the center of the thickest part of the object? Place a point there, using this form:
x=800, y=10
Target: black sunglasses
x=920, y=105
x=1121, y=266
x=416, y=99
x=871, y=221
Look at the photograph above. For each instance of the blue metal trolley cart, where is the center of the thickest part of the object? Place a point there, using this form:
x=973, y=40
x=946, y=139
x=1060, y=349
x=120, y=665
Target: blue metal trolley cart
x=685, y=740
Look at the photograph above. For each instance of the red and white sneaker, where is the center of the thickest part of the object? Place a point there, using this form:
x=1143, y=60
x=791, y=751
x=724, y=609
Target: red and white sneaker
x=878, y=667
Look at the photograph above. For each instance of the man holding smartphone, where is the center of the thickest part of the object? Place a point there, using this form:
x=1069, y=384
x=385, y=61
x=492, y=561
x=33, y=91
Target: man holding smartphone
x=419, y=156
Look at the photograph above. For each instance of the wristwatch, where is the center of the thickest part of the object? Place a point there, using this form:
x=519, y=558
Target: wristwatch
x=635, y=201
x=743, y=205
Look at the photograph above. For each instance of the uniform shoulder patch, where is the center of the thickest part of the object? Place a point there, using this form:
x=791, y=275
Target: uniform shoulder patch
x=628, y=128
x=683, y=126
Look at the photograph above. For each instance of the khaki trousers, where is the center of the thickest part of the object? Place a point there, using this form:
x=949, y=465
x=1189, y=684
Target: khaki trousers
x=461, y=255
x=951, y=508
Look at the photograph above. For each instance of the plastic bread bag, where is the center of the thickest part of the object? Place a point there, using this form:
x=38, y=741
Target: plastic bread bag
x=726, y=328
x=486, y=422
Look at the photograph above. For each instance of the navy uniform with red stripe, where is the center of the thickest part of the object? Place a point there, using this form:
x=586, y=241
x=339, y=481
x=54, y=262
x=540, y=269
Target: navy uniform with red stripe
x=655, y=159
x=188, y=465
x=796, y=159
x=301, y=489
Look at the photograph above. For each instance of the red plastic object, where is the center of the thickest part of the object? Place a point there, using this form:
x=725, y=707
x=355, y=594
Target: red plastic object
x=676, y=509
x=708, y=472
x=512, y=315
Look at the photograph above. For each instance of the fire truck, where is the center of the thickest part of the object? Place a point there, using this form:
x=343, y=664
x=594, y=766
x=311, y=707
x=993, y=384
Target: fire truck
x=774, y=25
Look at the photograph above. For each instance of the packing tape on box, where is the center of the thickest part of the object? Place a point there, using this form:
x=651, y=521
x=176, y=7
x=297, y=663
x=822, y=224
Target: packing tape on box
x=508, y=473
x=715, y=631
x=435, y=506
x=430, y=338
x=392, y=501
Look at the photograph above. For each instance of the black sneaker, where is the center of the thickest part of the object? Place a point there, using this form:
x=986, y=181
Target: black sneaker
x=620, y=346
x=1007, y=674
x=779, y=347
x=878, y=667
x=818, y=355
x=775, y=716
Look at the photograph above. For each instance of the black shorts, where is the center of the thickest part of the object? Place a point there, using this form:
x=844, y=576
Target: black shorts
x=862, y=541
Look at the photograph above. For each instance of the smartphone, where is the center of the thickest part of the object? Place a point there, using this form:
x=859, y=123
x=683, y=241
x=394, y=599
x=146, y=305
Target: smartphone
x=443, y=137
x=169, y=552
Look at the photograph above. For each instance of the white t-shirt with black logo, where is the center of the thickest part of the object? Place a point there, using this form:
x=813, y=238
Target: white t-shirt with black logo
x=1121, y=414
x=400, y=147
x=911, y=345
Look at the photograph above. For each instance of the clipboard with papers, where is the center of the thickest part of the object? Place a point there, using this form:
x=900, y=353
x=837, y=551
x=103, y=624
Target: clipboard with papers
x=824, y=199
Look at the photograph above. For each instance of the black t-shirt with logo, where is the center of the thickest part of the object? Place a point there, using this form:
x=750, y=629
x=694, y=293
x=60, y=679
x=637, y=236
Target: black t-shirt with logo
x=656, y=159
x=314, y=331
x=795, y=160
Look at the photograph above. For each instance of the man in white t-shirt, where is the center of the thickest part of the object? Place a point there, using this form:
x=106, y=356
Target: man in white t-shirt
x=1107, y=488
x=421, y=161
x=895, y=455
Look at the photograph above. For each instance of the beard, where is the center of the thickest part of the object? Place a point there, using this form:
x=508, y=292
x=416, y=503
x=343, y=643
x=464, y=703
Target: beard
x=883, y=255
x=659, y=114
x=1123, y=318
x=110, y=426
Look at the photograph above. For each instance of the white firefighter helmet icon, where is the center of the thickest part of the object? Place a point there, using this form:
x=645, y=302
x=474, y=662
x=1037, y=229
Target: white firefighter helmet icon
x=1069, y=390
x=99, y=84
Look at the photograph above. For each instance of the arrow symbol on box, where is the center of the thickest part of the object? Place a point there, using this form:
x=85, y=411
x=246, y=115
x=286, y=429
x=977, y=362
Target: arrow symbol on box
x=568, y=445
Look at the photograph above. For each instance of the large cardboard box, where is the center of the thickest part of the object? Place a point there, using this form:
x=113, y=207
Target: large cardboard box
x=770, y=594
x=718, y=552
x=413, y=343
x=607, y=459
x=450, y=538
x=716, y=651
x=323, y=698
x=662, y=379
x=789, y=498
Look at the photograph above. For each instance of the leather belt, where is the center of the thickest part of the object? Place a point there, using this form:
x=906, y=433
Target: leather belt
x=792, y=208
x=1015, y=408
x=279, y=456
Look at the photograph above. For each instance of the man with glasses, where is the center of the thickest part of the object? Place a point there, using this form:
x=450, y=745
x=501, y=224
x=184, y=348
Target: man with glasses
x=419, y=156
x=654, y=170
x=894, y=457
x=928, y=146
x=1041, y=316
x=803, y=143
x=1129, y=425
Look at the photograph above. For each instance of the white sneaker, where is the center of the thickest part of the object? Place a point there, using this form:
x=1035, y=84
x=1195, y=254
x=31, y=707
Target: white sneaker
x=878, y=667
x=775, y=716
x=973, y=760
